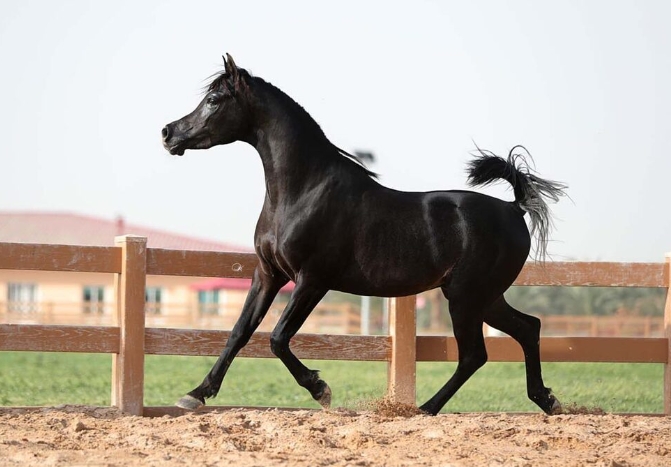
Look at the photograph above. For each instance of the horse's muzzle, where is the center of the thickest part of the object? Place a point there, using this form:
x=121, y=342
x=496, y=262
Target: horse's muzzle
x=174, y=148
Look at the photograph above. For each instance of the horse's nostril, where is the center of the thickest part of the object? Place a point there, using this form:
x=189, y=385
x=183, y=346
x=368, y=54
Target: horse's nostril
x=166, y=132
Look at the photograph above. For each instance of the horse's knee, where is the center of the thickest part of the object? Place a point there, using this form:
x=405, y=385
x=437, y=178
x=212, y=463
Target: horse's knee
x=278, y=344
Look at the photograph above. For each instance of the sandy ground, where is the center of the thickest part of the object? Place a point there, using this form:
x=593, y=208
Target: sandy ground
x=74, y=435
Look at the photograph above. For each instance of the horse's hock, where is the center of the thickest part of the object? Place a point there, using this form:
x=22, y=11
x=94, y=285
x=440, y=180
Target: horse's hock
x=129, y=340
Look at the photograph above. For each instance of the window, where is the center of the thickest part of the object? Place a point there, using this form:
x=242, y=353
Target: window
x=152, y=299
x=208, y=302
x=22, y=298
x=94, y=300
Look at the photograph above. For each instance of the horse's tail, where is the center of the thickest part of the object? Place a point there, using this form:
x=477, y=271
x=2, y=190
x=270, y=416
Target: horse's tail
x=530, y=190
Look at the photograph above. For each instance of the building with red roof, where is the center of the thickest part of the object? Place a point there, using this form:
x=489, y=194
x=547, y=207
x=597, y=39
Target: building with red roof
x=64, y=228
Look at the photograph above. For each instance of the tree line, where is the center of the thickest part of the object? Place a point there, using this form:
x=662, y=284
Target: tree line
x=588, y=301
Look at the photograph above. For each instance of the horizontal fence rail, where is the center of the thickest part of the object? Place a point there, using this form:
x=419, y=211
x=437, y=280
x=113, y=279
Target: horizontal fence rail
x=200, y=263
x=128, y=341
x=196, y=342
x=64, y=258
x=594, y=274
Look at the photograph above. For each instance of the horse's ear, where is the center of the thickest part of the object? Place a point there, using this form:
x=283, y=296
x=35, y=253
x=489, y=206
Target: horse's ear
x=230, y=67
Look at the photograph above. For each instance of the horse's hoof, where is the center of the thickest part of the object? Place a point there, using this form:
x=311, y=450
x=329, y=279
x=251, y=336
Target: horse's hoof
x=556, y=407
x=325, y=399
x=189, y=403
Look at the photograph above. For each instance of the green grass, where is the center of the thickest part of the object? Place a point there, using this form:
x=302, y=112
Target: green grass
x=29, y=379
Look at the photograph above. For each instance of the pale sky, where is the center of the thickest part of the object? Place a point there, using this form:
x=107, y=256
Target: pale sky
x=85, y=88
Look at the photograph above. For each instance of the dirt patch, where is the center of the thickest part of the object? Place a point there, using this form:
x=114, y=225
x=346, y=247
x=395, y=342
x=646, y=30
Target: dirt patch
x=575, y=409
x=242, y=437
x=385, y=407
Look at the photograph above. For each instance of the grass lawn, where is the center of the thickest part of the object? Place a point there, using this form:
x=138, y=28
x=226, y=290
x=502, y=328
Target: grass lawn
x=31, y=378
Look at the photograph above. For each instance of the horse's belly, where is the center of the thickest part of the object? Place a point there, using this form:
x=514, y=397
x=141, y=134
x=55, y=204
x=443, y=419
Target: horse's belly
x=385, y=275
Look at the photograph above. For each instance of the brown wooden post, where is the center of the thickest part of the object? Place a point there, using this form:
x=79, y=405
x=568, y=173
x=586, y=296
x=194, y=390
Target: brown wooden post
x=667, y=333
x=128, y=364
x=402, y=365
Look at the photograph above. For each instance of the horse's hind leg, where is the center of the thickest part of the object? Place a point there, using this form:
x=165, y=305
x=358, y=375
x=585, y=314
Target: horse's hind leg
x=263, y=290
x=467, y=319
x=303, y=300
x=525, y=330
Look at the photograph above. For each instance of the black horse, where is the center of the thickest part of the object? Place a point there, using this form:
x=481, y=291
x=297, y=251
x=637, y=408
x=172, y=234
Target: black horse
x=327, y=224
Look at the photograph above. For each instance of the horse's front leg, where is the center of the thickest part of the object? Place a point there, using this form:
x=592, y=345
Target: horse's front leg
x=263, y=290
x=303, y=300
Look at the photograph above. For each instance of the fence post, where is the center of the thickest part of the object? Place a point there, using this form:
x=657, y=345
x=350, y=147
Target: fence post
x=402, y=365
x=129, y=287
x=667, y=333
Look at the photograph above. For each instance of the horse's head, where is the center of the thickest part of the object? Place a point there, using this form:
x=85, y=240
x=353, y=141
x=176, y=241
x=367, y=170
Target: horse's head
x=220, y=118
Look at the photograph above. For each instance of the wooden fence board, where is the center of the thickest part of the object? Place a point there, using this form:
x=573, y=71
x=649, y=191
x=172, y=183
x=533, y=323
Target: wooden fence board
x=594, y=274
x=67, y=258
x=200, y=263
x=554, y=349
x=163, y=341
x=38, y=338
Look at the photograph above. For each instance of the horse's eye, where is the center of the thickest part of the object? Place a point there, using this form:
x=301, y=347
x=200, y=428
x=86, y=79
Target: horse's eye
x=213, y=101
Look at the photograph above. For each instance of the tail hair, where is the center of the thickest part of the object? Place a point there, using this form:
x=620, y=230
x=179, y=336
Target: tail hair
x=531, y=191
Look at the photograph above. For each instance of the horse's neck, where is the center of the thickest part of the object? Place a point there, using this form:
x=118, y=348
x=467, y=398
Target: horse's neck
x=295, y=153
x=291, y=168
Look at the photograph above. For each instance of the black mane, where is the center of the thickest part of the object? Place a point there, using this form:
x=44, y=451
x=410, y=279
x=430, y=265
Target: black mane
x=216, y=83
x=219, y=83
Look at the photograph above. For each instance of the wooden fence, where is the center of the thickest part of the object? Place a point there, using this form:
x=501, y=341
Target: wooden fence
x=129, y=340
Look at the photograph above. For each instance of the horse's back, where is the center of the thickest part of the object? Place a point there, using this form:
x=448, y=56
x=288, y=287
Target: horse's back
x=459, y=212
